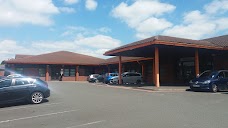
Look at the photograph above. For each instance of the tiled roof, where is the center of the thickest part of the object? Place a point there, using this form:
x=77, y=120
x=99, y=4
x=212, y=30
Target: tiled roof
x=183, y=40
x=168, y=39
x=18, y=56
x=61, y=57
x=219, y=41
x=212, y=42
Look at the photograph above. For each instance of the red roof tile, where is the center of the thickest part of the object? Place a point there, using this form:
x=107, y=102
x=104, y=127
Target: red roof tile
x=219, y=41
x=17, y=56
x=61, y=57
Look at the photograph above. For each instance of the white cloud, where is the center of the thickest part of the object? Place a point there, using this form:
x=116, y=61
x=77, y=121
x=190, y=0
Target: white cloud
x=91, y=5
x=8, y=48
x=80, y=31
x=144, y=15
x=140, y=11
x=14, y=12
x=69, y=2
x=67, y=9
x=142, y=35
x=195, y=16
x=99, y=41
x=94, y=46
x=147, y=18
x=217, y=6
x=198, y=25
x=191, y=31
x=153, y=25
x=222, y=24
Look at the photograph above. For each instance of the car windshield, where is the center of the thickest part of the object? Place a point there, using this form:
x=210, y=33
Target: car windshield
x=208, y=74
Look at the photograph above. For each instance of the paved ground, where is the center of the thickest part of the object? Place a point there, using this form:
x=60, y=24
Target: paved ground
x=83, y=105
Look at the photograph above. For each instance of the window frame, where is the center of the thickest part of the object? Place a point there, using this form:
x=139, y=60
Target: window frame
x=7, y=85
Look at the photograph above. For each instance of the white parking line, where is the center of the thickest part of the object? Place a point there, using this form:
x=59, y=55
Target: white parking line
x=37, y=105
x=91, y=123
x=30, y=117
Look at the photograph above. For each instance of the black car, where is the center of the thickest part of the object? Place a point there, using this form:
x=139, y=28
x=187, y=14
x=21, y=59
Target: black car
x=210, y=80
x=95, y=78
x=33, y=90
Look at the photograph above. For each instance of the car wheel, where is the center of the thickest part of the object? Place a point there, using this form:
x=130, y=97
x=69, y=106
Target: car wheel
x=138, y=82
x=37, y=97
x=214, y=88
x=191, y=88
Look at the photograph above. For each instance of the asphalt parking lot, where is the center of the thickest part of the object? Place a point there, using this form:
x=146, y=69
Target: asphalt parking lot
x=85, y=105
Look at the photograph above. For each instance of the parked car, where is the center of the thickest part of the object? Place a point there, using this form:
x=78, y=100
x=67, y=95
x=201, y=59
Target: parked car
x=109, y=76
x=95, y=78
x=210, y=80
x=33, y=90
x=15, y=76
x=128, y=77
x=2, y=77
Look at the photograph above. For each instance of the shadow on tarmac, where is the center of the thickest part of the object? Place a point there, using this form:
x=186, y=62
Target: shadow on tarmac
x=6, y=105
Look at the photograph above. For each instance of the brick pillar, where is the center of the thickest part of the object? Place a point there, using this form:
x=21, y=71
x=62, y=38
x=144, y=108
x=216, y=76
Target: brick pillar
x=156, y=66
x=120, y=70
x=108, y=69
x=197, y=62
x=47, y=73
x=143, y=73
x=77, y=73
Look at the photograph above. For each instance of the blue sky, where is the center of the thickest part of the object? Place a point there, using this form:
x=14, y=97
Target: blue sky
x=94, y=26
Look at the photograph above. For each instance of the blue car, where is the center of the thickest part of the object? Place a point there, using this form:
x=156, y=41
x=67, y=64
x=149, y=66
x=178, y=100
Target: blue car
x=213, y=81
x=109, y=76
x=33, y=90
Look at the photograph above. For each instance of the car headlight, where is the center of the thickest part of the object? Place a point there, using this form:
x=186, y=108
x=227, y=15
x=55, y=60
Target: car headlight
x=190, y=82
x=207, y=82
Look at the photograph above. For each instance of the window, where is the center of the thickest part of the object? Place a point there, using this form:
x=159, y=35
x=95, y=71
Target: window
x=42, y=72
x=19, y=70
x=21, y=82
x=72, y=72
x=221, y=75
x=69, y=72
x=113, y=75
x=5, y=83
x=66, y=72
x=136, y=74
x=226, y=74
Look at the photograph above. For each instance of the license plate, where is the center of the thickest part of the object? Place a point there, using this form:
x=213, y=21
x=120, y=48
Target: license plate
x=196, y=85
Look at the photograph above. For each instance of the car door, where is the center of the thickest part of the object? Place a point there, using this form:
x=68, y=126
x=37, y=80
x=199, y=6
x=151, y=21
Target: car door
x=132, y=78
x=19, y=89
x=127, y=78
x=4, y=95
x=221, y=81
x=226, y=80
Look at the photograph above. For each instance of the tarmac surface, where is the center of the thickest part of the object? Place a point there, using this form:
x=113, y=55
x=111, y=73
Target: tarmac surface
x=86, y=105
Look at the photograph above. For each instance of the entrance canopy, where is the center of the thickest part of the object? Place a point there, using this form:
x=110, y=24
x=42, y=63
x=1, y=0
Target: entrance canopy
x=170, y=49
x=144, y=48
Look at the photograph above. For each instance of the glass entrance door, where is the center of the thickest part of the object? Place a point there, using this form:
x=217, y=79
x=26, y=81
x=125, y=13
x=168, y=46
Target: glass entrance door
x=55, y=72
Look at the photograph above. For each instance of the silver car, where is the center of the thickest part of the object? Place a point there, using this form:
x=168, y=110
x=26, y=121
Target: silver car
x=127, y=78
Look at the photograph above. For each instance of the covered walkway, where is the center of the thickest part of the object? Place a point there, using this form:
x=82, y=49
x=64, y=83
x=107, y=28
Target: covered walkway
x=176, y=60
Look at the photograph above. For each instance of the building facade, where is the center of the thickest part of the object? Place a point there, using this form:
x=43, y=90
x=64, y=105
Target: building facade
x=160, y=59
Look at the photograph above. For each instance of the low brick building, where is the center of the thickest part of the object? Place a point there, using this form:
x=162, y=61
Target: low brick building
x=162, y=60
x=48, y=66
